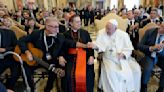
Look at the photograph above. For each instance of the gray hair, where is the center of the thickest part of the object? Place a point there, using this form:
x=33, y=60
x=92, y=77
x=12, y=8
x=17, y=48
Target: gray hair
x=48, y=19
x=137, y=10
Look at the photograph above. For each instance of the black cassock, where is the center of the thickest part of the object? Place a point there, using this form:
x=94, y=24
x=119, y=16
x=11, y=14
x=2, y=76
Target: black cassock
x=83, y=37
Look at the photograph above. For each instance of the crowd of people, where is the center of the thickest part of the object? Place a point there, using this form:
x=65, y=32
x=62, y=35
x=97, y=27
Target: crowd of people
x=58, y=34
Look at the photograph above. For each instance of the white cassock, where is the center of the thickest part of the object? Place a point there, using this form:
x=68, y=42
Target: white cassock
x=117, y=75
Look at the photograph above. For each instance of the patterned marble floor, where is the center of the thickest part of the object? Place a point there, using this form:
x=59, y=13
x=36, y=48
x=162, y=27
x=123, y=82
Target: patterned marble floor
x=153, y=85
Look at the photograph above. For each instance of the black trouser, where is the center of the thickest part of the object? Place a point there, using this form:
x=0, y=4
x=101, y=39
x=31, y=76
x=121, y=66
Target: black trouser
x=86, y=21
x=15, y=72
x=135, y=40
x=29, y=72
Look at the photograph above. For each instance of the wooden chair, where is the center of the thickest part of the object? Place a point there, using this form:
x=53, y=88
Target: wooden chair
x=122, y=23
x=145, y=28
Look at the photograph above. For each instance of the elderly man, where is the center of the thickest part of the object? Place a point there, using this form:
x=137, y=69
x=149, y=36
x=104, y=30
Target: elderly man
x=152, y=45
x=119, y=71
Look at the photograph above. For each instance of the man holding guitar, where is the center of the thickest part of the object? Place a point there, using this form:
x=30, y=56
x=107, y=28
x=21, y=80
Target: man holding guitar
x=50, y=42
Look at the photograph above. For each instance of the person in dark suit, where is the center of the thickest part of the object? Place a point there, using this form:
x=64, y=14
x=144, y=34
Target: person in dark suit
x=89, y=15
x=132, y=29
x=50, y=42
x=82, y=13
x=153, y=47
x=7, y=43
x=72, y=66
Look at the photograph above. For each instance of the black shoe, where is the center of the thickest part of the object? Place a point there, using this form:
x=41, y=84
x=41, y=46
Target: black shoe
x=143, y=88
x=160, y=89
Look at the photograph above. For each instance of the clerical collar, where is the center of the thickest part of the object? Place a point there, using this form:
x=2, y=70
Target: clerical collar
x=74, y=30
x=51, y=35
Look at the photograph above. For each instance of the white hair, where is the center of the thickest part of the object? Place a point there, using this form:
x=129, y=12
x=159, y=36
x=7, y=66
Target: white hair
x=114, y=22
x=137, y=10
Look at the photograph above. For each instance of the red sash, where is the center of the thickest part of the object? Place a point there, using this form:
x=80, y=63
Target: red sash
x=80, y=72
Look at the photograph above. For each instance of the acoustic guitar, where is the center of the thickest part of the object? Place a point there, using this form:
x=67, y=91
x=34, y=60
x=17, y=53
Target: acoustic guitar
x=37, y=55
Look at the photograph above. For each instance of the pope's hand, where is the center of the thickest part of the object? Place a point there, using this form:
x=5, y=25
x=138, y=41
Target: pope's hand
x=91, y=60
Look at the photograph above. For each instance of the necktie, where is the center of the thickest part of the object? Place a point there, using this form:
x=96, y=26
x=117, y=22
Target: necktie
x=131, y=22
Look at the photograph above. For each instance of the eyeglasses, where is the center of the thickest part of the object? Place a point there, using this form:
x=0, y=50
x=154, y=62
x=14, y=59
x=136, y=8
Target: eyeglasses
x=53, y=26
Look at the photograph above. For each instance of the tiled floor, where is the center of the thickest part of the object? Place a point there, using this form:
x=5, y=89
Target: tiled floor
x=153, y=85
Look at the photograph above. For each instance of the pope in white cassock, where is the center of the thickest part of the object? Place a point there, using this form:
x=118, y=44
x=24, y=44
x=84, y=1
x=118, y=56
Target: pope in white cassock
x=119, y=71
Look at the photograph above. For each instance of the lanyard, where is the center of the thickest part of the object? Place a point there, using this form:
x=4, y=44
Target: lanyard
x=45, y=42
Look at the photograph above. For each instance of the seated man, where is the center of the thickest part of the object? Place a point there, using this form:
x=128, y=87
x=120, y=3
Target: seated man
x=132, y=29
x=119, y=71
x=80, y=62
x=7, y=43
x=152, y=46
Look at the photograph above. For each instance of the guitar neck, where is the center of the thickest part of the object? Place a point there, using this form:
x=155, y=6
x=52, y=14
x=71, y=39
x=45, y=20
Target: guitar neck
x=44, y=64
x=41, y=62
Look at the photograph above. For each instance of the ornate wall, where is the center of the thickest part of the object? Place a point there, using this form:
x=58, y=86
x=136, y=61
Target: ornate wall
x=48, y=4
x=9, y=4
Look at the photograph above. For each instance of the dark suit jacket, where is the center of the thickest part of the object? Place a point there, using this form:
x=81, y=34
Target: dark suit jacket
x=8, y=39
x=135, y=39
x=148, y=40
x=37, y=39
